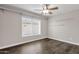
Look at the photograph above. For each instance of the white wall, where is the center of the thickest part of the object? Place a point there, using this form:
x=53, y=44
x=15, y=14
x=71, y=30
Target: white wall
x=65, y=27
x=10, y=30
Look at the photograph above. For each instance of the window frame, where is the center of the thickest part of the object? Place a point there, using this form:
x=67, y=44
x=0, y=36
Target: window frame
x=29, y=17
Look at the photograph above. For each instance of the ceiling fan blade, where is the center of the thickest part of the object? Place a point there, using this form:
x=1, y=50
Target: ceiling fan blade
x=53, y=8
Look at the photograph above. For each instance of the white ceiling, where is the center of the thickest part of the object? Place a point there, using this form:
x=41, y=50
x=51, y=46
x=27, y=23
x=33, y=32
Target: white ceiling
x=63, y=8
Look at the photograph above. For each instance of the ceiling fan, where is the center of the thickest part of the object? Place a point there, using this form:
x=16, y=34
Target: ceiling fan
x=47, y=9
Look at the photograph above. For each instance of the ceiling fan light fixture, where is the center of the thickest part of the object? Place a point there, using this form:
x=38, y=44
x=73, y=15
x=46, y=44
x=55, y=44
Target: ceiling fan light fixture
x=45, y=11
x=48, y=9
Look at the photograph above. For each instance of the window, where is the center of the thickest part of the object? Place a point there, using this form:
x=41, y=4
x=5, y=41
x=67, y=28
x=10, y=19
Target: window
x=30, y=26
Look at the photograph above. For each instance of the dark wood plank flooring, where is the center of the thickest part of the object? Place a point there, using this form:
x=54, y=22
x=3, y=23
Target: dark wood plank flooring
x=45, y=46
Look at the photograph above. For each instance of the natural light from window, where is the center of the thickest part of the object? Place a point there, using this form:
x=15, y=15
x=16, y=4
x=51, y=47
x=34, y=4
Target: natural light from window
x=30, y=26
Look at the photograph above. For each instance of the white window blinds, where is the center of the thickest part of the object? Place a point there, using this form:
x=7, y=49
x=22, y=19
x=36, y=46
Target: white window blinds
x=30, y=26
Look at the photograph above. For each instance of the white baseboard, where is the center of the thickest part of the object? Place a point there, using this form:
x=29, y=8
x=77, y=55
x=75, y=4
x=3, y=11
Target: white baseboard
x=38, y=39
x=3, y=47
x=74, y=43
